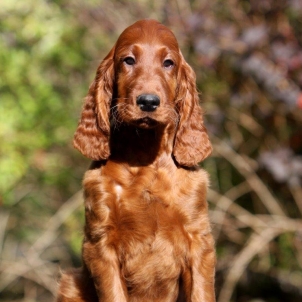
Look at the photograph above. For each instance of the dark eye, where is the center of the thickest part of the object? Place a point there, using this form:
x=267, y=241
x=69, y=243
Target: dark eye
x=129, y=61
x=168, y=63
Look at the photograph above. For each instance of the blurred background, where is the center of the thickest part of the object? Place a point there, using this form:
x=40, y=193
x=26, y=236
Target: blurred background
x=248, y=59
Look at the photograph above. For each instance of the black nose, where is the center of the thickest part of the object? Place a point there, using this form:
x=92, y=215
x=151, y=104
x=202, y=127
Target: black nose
x=148, y=102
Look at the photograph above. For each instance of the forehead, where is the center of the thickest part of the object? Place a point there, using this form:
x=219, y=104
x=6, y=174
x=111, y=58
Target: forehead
x=147, y=32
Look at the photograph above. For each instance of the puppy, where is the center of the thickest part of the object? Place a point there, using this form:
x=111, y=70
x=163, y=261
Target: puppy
x=147, y=233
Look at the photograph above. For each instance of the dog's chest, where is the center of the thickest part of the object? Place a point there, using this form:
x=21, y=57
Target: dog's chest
x=150, y=232
x=151, y=218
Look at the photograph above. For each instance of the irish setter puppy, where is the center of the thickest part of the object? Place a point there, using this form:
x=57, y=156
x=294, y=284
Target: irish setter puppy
x=147, y=232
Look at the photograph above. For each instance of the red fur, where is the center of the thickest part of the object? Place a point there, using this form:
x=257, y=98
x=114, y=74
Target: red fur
x=147, y=232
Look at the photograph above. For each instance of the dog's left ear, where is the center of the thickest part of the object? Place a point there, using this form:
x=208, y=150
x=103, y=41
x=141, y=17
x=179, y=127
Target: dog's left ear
x=92, y=135
x=192, y=144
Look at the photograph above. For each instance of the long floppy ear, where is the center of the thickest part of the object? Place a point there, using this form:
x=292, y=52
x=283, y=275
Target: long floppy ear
x=192, y=143
x=92, y=135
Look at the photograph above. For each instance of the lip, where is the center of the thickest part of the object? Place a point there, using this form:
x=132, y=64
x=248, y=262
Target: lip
x=146, y=122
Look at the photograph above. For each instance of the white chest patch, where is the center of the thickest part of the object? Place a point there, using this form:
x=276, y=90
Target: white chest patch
x=118, y=190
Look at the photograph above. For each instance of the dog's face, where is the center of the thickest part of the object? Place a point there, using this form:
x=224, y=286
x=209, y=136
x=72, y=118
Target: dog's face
x=144, y=81
x=146, y=61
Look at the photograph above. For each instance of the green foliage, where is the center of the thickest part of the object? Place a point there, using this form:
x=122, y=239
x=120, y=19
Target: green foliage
x=42, y=60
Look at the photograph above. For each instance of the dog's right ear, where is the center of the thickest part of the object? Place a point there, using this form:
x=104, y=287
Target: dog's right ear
x=92, y=135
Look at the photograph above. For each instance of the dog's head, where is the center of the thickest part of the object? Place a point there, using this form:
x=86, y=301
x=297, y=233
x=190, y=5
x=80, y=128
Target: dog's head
x=144, y=81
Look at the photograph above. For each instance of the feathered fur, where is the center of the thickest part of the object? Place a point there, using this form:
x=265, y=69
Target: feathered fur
x=147, y=232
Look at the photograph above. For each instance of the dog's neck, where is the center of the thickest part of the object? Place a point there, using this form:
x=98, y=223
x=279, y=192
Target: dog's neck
x=141, y=147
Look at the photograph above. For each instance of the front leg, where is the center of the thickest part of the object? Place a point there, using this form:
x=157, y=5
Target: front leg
x=101, y=237
x=198, y=278
x=203, y=270
x=103, y=266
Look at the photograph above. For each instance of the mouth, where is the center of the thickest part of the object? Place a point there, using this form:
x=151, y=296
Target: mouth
x=146, y=123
